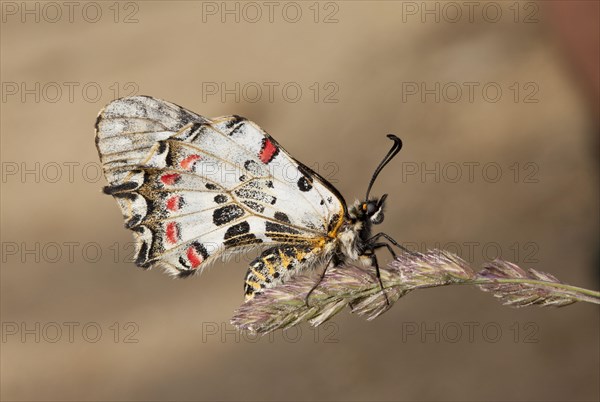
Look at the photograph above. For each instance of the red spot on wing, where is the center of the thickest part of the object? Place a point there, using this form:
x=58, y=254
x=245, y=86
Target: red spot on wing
x=172, y=232
x=194, y=257
x=170, y=178
x=173, y=203
x=188, y=162
x=267, y=151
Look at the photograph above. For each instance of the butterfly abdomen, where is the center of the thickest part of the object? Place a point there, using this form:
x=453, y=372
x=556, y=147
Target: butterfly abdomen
x=277, y=264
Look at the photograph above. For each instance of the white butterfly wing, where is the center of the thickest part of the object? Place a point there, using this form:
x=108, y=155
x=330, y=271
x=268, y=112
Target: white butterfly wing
x=194, y=189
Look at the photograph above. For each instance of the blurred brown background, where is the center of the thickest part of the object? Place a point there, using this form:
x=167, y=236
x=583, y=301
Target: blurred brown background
x=378, y=68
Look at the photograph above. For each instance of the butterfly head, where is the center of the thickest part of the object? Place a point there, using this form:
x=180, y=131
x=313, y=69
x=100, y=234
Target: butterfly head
x=372, y=210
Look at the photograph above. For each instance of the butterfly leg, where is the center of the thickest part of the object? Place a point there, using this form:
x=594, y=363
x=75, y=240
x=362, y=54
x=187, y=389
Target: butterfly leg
x=316, y=285
x=375, y=246
x=391, y=240
x=377, y=272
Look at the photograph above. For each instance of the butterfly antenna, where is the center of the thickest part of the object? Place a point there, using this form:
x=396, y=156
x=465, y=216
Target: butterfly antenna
x=390, y=155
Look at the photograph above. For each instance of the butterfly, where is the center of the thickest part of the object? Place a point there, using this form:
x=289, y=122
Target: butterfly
x=194, y=190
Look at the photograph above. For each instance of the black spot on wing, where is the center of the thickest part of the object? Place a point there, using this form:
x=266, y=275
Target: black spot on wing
x=195, y=127
x=141, y=259
x=139, y=229
x=133, y=221
x=276, y=228
x=200, y=249
x=254, y=206
x=210, y=186
x=170, y=158
x=280, y=216
x=119, y=188
x=162, y=147
x=252, y=167
x=128, y=195
x=220, y=199
x=235, y=120
x=255, y=195
x=304, y=184
x=236, y=230
x=227, y=214
x=190, y=134
x=243, y=240
x=237, y=129
x=240, y=235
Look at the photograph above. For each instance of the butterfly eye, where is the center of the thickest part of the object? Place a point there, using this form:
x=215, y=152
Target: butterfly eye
x=371, y=208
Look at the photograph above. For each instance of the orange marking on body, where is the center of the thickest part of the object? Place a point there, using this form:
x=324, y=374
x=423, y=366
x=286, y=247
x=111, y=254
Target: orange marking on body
x=173, y=203
x=172, y=232
x=188, y=162
x=194, y=257
x=170, y=178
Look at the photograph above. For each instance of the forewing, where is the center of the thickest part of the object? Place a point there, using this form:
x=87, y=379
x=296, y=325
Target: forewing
x=193, y=189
